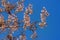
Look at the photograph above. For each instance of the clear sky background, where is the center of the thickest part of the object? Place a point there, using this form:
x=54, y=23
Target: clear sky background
x=52, y=31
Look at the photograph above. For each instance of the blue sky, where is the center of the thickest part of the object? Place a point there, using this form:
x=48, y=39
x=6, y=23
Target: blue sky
x=52, y=31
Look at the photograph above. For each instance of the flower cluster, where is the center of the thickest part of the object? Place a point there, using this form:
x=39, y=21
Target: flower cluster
x=13, y=22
